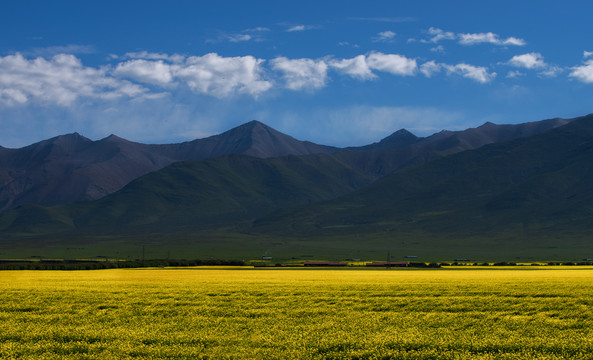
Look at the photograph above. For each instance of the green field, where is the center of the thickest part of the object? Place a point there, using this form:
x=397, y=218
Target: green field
x=199, y=313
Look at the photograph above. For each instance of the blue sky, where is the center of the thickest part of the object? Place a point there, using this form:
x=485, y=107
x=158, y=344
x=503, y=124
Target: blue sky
x=333, y=72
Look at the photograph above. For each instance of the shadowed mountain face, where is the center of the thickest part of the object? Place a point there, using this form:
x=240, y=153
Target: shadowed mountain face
x=196, y=195
x=522, y=191
x=402, y=148
x=73, y=168
x=525, y=193
x=254, y=139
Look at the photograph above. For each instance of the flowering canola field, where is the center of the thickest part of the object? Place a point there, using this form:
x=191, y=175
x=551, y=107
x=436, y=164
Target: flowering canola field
x=296, y=314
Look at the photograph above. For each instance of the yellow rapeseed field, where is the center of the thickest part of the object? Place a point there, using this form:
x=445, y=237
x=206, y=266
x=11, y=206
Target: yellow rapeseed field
x=297, y=314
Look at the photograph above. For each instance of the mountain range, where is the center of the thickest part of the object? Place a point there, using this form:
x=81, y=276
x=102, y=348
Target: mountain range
x=73, y=168
x=496, y=189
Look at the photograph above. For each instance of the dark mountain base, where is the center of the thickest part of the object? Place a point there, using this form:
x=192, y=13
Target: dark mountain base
x=365, y=246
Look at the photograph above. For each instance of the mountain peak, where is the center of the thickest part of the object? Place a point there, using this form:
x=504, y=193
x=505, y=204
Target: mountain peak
x=68, y=142
x=401, y=134
x=257, y=139
x=254, y=127
x=254, y=123
x=400, y=138
x=487, y=124
x=115, y=138
x=71, y=136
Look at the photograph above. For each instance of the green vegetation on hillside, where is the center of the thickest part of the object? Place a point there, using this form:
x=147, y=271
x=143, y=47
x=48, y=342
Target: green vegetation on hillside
x=528, y=198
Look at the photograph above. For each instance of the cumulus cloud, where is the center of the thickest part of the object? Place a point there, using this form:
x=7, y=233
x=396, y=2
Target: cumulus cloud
x=587, y=54
x=153, y=56
x=535, y=61
x=476, y=73
x=385, y=36
x=489, y=37
x=438, y=49
x=584, y=72
x=356, y=67
x=238, y=37
x=210, y=74
x=151, y=72
x=302, y=74
x=60, y=80
x=529, y=61
x=219, y=76
x=514, y=74
x=392, y=63
x=63, y=79
x=430, y=68
x=551, y=71
x=513, y=41
x=437, y=35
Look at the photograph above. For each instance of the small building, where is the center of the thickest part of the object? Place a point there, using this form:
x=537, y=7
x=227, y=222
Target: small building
x=388, y=263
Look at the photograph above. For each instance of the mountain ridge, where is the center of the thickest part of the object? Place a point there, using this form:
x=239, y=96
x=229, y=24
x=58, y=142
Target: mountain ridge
x=72, y=167
x=520, y=195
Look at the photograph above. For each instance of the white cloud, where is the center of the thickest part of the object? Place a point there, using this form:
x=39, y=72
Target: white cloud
x=587, y=54
x=346, y=43
x=219, y=76
x=392, y=63
x=385, y=36
x=535, y=61
x=489, y=37
x=529, y=61
x=210, y=74
x=584, y=72
x=430, y=68
x=258, y=29
x=438, y=49
x=514, y=41
x=356, y=67
x=551, y=71
x=61, y=80
x=476, y=73
x=176, y=58
x=438, y=35
x=302, y=74
x=297, y=28
x=151, y=72
x=253, y=34
x=238, y=37
x=514, y=74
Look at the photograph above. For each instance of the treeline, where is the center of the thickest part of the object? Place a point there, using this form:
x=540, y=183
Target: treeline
x=103, y=264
